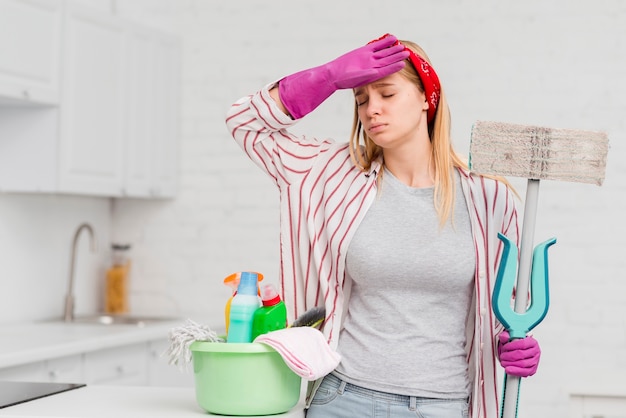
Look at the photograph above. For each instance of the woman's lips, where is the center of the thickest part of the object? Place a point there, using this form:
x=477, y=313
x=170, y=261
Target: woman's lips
x=376, y=127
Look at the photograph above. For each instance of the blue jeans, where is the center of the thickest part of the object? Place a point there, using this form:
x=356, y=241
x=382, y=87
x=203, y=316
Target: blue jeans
x=338, y=399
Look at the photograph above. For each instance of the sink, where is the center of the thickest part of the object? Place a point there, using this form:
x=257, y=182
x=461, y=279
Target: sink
x=122, y=319
x=109, y=319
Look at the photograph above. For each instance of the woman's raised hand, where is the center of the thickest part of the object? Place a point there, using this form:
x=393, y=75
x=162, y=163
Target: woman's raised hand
x=302, y=92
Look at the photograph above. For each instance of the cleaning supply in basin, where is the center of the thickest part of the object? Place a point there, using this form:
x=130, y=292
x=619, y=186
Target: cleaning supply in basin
x=116, y=295
x=313, y=317
x=182, y=337
x=304, y=349
x=243, y=379
x=242, y=308
x=232, y=281
x=272, y=315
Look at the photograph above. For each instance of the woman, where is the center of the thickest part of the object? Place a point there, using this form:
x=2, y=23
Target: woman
x=391, y=234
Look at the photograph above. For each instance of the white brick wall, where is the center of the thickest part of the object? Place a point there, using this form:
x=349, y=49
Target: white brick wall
x=532, y=62
x=557, y=64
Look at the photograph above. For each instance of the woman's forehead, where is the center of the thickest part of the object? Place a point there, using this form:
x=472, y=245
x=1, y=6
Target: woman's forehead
x=390, y=80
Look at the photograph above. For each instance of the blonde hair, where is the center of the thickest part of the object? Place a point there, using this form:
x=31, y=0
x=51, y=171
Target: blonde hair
x=443, y=157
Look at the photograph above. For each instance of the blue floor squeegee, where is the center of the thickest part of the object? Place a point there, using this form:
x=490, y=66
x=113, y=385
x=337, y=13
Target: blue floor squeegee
x=519, y=321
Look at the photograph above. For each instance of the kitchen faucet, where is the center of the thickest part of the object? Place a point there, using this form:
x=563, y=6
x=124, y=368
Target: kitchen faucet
x=69, y=297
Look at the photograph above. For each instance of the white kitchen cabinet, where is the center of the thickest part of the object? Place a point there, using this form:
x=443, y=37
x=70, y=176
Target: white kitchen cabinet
x=30, y=39
x=93, y=104
x=115, y=131
x=141, y=127
x=30, y=45
x=28, y=149
x=165, y=155
x=31, y=372
x=141, y=364
x=125, y=365
x=153, y=114
x=161, y=373
x=64, y=369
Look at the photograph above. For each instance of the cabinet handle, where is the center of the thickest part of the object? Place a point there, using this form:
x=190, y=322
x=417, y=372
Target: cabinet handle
x=120, y=369
x=54, y=375
x=26, y=94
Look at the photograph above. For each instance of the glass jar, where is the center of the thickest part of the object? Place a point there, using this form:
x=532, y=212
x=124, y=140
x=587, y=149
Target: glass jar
x=117, y=276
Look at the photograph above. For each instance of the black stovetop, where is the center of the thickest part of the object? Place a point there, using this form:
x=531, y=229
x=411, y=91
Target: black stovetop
x=13, y=393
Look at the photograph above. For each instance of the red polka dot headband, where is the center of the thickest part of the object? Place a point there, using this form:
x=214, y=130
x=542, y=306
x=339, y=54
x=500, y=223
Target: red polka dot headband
x=430, y=81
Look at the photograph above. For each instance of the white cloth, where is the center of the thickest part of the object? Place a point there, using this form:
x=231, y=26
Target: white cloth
x=304, y=350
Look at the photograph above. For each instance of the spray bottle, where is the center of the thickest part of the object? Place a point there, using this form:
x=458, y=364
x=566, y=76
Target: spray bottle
x=232, y=281
x=272, y=315
x=242, y=309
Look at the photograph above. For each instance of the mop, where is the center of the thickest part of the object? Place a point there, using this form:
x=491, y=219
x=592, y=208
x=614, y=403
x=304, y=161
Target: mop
x=535, y=153
x=181, y=338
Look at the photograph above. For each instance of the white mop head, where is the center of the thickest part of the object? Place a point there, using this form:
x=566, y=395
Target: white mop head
x=539, y=153
x=183, y=336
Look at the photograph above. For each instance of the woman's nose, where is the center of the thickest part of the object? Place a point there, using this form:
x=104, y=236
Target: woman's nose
x=373, y=107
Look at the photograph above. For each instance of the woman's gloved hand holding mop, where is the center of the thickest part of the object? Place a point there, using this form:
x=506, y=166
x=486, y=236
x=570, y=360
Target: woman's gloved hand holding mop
x=519, y=357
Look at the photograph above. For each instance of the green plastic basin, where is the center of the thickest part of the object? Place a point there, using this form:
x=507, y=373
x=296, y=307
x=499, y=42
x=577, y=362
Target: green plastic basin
x=243, y=379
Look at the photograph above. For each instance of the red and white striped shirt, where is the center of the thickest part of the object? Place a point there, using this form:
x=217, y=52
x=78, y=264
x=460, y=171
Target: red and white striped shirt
x=324, y=197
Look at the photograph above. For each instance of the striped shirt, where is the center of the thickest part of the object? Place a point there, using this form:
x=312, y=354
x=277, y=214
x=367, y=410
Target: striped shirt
x=324, y=197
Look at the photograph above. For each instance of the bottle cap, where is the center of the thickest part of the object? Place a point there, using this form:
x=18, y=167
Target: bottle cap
x=248, y=283
x=269, y=295
x=232, y=280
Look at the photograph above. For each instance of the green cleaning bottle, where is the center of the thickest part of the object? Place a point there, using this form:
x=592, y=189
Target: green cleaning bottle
x=272, y=315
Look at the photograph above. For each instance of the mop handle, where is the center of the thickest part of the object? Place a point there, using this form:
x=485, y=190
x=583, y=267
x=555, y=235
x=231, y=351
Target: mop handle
x=511, y=384
x=533, y=270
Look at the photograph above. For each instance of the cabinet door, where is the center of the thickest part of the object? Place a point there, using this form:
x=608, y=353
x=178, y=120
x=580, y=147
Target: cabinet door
x=125, y=365
x=141, y=128
x=166, y=146
x=93, y=112
x=28, y=148
x=153, y=114
x=30, y=43
x=31, y=372
x=161, y=373
x=65, y=369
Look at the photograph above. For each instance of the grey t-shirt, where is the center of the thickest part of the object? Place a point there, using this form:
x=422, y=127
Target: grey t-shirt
x=412, y=286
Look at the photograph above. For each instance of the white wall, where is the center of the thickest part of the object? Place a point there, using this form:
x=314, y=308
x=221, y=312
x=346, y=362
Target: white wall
x=36, y=236
x=558, y=64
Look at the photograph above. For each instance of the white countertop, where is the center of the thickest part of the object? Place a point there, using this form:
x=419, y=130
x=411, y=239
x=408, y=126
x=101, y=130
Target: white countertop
x=25, y=343
x=120, y=402
x=30, y=342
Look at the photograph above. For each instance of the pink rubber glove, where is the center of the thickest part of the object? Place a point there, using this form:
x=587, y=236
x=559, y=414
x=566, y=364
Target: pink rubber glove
x=519, y=357
x=302, y=92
